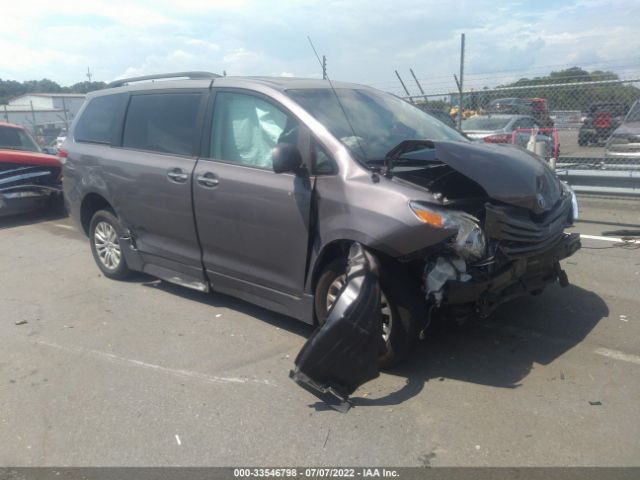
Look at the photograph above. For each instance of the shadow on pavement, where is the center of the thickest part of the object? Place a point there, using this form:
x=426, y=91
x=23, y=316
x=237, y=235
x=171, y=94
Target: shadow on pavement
x=499, y=351
x=32, y=217
x=220, y=300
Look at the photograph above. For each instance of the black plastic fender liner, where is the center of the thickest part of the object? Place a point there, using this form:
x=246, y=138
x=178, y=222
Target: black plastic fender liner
x=343, y=354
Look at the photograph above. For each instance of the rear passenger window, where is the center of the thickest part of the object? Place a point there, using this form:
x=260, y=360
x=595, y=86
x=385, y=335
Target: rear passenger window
x=100, y=119
x=163, y=122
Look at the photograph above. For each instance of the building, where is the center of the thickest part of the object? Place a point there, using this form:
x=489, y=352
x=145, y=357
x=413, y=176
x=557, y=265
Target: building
x=46, y=115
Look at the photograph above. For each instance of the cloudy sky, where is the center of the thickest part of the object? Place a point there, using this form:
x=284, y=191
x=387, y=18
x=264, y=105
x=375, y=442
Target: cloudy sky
x=364, y=41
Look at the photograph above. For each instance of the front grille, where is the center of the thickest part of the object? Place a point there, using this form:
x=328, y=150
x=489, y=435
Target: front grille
x=519, y=233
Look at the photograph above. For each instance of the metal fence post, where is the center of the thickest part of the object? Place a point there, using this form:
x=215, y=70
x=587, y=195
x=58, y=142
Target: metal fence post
x=404, y=86
x=461, y=82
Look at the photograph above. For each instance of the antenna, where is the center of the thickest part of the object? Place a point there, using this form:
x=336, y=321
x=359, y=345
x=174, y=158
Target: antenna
x=89, y=75
x=344, y=112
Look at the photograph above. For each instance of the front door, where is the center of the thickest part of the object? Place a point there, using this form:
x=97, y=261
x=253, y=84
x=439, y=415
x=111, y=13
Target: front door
x=253, y=224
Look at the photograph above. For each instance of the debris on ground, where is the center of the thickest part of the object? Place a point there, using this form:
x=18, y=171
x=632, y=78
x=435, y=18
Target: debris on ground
x=343, y=354
x=595, y=402
x=21, y=322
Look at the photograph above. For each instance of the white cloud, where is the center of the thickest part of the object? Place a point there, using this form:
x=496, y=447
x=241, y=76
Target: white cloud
x=364, y=41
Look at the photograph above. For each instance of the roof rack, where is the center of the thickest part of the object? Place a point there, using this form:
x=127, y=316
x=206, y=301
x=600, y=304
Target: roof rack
x=189, y=75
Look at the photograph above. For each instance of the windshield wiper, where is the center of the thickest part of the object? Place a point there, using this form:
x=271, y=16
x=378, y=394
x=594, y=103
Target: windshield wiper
x=405, y=146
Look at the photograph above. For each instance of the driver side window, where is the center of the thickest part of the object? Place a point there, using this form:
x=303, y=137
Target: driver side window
x=246, y=128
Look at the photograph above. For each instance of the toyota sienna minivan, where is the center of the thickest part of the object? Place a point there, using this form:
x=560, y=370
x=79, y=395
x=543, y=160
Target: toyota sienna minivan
x=256, y=187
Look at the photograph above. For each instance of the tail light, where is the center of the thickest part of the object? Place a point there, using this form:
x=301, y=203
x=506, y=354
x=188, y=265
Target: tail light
x=502, y=138
x=603, y=120
x=62, y=155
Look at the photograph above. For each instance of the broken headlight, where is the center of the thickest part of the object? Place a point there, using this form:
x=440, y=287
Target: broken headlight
x=469, y=243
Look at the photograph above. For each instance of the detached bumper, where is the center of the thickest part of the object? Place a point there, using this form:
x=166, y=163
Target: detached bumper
x=522, y=275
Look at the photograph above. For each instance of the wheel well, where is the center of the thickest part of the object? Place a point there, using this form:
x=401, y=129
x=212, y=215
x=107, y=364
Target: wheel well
x=340, y=249
x=90, y=205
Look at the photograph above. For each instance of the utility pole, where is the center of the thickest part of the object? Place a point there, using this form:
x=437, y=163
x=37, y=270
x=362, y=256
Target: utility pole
x=324, y=67
x=404, y=86
x=89, y=75
x=419, y=86
x=33, y=116
x=460, y=82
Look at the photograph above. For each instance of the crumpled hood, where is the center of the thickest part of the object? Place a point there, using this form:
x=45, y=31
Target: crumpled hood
x=508, y=174
x=23, y=157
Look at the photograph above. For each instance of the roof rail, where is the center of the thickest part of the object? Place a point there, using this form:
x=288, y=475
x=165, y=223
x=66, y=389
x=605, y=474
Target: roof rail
x=189, y=75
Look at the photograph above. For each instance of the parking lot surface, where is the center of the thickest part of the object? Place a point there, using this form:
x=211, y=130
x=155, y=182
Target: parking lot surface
x=568, y=140
x=142, y=372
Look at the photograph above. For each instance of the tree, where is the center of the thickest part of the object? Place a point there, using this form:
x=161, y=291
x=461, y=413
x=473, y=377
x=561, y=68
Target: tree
x=11, y=88
x=563, y=89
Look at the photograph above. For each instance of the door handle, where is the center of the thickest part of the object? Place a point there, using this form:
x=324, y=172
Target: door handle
x=208, y=179
x=177, y=175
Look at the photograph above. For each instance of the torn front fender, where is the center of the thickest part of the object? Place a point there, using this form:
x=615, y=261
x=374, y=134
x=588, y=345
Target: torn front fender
x=343, y=354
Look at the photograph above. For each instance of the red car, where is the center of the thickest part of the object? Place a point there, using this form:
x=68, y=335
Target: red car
x=28, y=178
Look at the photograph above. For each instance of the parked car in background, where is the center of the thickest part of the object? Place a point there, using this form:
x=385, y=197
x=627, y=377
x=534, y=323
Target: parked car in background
x=601, y=120
x=444, y=117
x=540, y=111
x=625, y=140
x=259, y=187
x=503, y=128
x=509, y=105
x=28, y=178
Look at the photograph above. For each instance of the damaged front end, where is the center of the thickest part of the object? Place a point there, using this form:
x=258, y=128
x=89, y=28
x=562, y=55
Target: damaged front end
x=28, y=181
x=507, y=212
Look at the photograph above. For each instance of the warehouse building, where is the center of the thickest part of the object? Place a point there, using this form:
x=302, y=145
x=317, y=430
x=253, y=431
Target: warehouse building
x=46, y=115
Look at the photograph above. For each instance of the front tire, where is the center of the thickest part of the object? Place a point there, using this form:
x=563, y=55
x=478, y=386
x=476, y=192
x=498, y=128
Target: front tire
x=402, y=308
x=104, y=236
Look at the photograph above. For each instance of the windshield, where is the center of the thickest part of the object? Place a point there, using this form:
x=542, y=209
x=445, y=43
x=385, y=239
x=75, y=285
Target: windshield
x=17, y=139
x=485, y=123
x=634, y=113
x=380, y=121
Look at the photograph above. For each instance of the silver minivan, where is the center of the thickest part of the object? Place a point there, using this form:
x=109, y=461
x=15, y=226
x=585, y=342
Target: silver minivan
x=257, y=187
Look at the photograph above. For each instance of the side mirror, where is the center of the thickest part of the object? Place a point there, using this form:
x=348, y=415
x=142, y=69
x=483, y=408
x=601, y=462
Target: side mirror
x=286, y=158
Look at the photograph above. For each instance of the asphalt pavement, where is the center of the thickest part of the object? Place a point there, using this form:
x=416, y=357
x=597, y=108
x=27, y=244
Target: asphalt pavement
x=97, y=372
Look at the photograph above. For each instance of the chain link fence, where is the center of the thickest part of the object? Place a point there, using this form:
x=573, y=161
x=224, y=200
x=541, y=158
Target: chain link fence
x=589, y=130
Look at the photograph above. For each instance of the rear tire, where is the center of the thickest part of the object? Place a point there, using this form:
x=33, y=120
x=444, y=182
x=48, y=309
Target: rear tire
x=104, y=236
x=583, y=141
x=404, y=304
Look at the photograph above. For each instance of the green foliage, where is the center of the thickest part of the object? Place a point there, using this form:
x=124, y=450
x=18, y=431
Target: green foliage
x=11, y=88
x=563, y=89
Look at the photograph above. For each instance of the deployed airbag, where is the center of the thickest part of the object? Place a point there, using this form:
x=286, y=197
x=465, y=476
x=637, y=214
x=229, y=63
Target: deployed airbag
x=343, y=354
